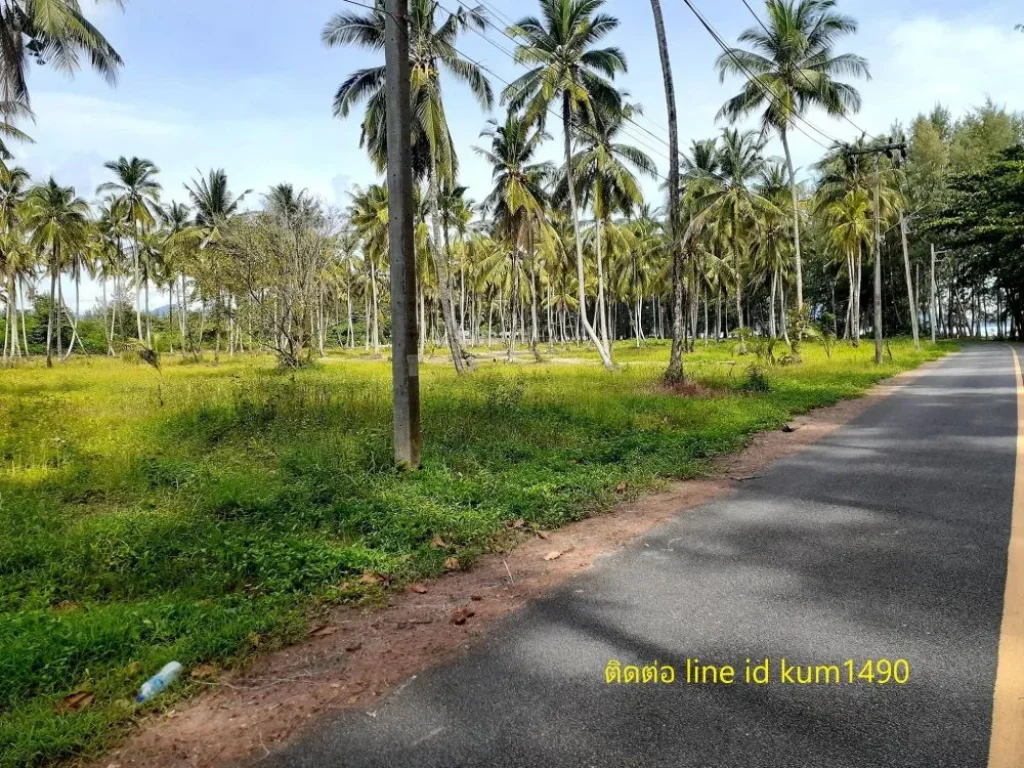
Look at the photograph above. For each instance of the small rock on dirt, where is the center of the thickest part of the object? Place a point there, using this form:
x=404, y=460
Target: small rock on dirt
x=462, y=615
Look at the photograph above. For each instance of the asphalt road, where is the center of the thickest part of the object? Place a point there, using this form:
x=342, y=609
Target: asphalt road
x=886, y=540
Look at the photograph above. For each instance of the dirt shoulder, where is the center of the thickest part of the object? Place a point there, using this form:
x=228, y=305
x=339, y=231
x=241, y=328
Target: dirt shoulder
x=360, y=654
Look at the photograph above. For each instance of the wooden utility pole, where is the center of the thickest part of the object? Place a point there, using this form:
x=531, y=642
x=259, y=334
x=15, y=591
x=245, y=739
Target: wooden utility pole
x=404, y=333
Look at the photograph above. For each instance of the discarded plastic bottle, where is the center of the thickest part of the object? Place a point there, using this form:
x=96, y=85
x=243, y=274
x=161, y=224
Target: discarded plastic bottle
x=158, y=682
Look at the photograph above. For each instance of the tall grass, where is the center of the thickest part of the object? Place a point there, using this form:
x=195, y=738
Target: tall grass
x=196, y=513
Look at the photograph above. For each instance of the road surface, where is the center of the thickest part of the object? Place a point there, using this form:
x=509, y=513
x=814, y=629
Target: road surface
x=886, y=540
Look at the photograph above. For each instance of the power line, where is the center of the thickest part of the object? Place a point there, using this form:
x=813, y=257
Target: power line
x=843, y=114
x=488, y=70
x=509, y=23
x=754, y=79
x=511, y=55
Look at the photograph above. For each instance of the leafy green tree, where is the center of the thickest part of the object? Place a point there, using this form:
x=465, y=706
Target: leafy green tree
x=567, y=71
x=431, y=51
x=791, y=68
x=982, y=222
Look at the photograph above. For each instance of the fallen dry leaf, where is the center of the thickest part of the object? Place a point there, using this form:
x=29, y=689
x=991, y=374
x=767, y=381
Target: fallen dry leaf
x=419, y=589
x=553, y=555
x=322, y=631
x=461, y=615
x=437, y=543
x=542, y=535
x=622, y=487
x=452, y=564
x=75, y=702
x=518, y=523
x=369, y=578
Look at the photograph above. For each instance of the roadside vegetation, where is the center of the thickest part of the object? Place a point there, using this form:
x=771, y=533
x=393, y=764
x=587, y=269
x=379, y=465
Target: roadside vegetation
x=197, y=513
x=191, y=464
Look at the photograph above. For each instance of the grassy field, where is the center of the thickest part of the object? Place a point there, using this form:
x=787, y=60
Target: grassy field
x=197, y=513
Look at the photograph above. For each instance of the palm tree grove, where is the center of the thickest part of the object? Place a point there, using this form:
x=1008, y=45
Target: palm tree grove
x=333, y=336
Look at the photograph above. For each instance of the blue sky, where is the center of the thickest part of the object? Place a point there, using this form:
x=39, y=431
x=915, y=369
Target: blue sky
x=246, y=85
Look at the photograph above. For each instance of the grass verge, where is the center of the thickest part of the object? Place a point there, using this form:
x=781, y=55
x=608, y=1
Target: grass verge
x=196, y=514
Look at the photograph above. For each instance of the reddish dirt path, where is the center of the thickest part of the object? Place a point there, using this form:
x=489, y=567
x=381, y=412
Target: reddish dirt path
x=364, y=653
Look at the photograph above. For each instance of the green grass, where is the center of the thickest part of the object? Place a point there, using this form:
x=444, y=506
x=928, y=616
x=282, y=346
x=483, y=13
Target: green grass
x=199, y=513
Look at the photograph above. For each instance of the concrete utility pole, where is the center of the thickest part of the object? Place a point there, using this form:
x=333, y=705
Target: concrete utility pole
x=878, y=265
x=891, y=149
x=934, y=309
x=404, y=333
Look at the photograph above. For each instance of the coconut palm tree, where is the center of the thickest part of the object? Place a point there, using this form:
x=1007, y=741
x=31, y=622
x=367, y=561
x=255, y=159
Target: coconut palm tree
x=17, y=267
x=54, y=32
x=432, y=51
x=790, y=68
x=675, y=372
x=369, y=214
x=567, y=71
x=517, y=202
x=772, y=251
x=59, y=222
x=213, y=202
x=15, y=260
x=215, y=205
x=847, y=180
x=606, y=171
x=109, y=255
x=730, y=203
x=139, y=192
x=850, y=229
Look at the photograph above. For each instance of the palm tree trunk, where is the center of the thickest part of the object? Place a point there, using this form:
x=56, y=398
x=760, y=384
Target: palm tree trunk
x=782, y=310
x=24, y=326
x=458, y=351
x=675, y=372
x=856, y=294
x=772, y=330
x=602, y=310
x=512, y=299
x=374, y=307
x=135, y=261
x=149, y=327
x=580, y=272
x=53, y=305
x=739, y=301
x=796, y=222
